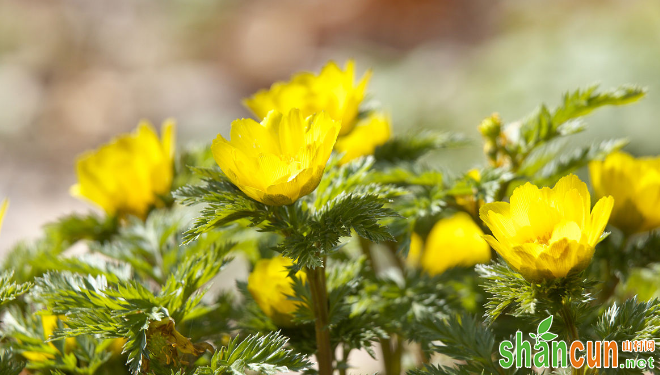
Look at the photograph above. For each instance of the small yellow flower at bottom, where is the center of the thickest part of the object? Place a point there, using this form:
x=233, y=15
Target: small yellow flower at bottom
x=453, y=241
x=280, y=159
x=635, y=185
x=129, y=174
x=547, y=233
x=49, y=323
x=270, y=285
x=369, y=133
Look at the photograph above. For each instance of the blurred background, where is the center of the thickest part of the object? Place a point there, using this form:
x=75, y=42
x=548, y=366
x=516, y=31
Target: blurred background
x=73, y=73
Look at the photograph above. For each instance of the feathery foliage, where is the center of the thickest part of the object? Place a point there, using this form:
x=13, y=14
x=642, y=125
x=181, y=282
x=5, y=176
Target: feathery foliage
x=9, y=289
x=264, y=354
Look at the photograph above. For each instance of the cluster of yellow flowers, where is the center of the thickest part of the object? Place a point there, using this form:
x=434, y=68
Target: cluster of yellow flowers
x=274, y=162
x=543, y=233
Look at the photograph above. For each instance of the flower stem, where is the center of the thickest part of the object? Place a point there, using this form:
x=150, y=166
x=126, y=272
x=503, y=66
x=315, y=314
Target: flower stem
x=612, y=279
x=365, y=245
x=567, y=316
x=346, y=351
x=317, y=283
x=398, y=353
x=385, y=348
x=391, y=347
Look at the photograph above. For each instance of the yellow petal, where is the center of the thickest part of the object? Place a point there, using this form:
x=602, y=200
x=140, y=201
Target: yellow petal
x=560, y=258
x=568, y=230
x=129, y=174
x=505, y=252
x=454, y=241
x=365, y=137
x=599, y=217
x=3, y=209
x=270, y=285
x=415, y=251
x=333, y=90
x=522, y=199
x=572, y=183
x=634, y=183
x=497, y=216
x=547, y=233
x=281, y=159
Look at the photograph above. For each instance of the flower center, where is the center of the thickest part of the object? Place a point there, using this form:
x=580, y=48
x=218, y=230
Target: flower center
x=543, y=240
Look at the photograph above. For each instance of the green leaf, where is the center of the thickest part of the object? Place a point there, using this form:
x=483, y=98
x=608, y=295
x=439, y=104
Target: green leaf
x=545, y=125
x=582, y=102
x=463, y=338
x=631, y=320
x=442, y=370
x=407, y=175
x=9, y=289
x=223, y=202
x=511, y=294
x=10, y=364
x=259, y=353
x=563, y=163
x=93, y=307
x=412, y=147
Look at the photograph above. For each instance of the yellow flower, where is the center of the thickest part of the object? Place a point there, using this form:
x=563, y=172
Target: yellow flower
x=3, y=209
x=130, y=174
x=281, y=159
x=453, y=241
x=333, y=91
x=49, y=323
x=270, y=285
x=635, y=186
x=547, y=233
x=369, y=133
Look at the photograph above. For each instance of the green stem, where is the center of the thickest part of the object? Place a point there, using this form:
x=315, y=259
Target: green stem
x=397, y=352
x=567, y=316
x=392, y=349
x=385, y=348
x=365, y=245
x=346, y=351
x=612, y=280
x=423, y=357
x=317, y=283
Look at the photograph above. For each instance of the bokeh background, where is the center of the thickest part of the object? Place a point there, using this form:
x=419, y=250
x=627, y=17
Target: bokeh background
x=73, y=73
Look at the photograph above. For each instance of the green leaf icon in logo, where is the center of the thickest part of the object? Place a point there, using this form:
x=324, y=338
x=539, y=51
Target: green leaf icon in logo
x=543, y=331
